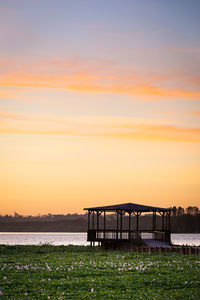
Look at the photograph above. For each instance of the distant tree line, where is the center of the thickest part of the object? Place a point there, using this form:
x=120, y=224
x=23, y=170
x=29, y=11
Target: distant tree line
x=177, y=211
x=182, y=221
x=190, y=210
x=185, y=221
x=46, y=217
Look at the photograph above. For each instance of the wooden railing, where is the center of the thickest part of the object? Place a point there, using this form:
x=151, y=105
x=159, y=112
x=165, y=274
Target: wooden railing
x=109, y=234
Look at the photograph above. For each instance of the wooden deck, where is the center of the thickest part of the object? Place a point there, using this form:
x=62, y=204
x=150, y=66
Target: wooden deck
x=125, y=235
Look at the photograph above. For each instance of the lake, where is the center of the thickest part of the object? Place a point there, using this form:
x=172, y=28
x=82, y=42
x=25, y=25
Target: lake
x=75, y=238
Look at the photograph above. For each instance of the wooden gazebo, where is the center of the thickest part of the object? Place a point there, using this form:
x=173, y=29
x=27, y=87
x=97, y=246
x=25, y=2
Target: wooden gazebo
x=126, y=222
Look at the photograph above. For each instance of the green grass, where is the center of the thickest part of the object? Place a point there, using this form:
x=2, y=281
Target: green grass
x=77, y=272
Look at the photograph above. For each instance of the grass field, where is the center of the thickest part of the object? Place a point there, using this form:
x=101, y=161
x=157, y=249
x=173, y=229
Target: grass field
x=77, y=272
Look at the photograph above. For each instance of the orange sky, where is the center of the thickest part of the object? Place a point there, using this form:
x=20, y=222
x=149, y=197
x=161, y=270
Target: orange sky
x=99, y=105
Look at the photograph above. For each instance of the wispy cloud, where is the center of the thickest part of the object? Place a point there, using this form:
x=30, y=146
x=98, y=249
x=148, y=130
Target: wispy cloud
x=8, y=93
x=136, y=135
x=86, y=77
x=96, y=127
x=196, y=113
x=13, y=116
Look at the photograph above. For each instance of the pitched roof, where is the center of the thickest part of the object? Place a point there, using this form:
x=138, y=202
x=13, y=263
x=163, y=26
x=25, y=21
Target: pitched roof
x=128, y=207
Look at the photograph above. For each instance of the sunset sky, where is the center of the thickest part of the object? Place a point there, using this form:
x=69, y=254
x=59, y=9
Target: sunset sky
x=99, y=104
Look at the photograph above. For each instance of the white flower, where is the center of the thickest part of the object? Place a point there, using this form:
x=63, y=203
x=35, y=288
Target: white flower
x=92, y=290
x=48, y=267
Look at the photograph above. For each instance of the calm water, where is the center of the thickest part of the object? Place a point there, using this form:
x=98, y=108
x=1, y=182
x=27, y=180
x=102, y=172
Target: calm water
x=37, y=238
x=67, y=238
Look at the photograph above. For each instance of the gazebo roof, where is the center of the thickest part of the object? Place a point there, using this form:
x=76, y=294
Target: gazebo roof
x=128, y=207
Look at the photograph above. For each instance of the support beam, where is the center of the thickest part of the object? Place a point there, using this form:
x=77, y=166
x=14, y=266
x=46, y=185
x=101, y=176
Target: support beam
x=93, y=221
x=89, y=213
x=104, y=224
x=169, y=221
x=137, y=221
x=163, y=219
x=98, y=220
x=117, y=223
x=129, y=226
x=121, y=224
x=153, y=228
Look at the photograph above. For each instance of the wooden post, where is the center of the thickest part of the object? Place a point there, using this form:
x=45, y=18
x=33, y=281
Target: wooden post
x=169, y=221
x=137, y=225
x=89, y=212
x=120, y=224
x=180, y=250
x=129, y=226
x=117, y=224
x=97, y=233
x=97, y=220
x=93, y=221
x=104, y=222
x=153, y=221
x=163, y=216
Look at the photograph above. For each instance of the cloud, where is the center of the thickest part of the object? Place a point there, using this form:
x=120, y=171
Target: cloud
x=96, y=127
x=196, y=113
x=8, y=93
x=86, y=77
x=13, y=116
x=135, y=135
x=158, y=128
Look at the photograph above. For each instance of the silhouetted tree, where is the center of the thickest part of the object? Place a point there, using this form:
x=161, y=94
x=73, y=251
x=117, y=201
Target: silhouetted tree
x=174, y=212
x=180, y=211
x=192, y=210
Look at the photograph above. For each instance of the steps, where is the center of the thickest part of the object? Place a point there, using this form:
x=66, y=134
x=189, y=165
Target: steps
x=155, y=243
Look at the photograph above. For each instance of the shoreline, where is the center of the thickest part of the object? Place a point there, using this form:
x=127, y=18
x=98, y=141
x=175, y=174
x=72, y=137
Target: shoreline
x=52, y=232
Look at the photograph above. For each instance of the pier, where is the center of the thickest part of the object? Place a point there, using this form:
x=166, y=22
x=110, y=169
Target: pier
x=126, y=235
